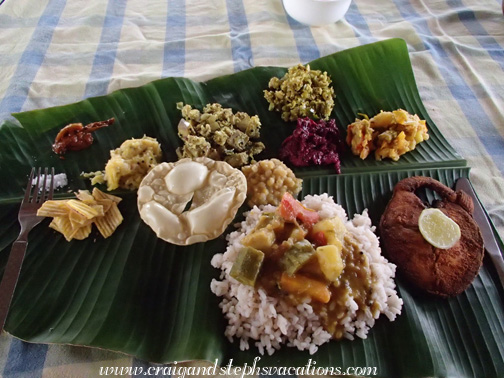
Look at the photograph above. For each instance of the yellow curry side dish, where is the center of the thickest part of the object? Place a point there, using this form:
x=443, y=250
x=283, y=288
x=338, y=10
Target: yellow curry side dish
x=388, y=134
x=129, y=164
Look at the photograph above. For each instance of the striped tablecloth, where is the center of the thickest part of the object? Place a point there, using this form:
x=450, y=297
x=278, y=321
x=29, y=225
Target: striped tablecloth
x=54, y=52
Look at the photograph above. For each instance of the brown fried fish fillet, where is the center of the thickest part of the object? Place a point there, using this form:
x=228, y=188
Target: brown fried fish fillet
x=442, y=272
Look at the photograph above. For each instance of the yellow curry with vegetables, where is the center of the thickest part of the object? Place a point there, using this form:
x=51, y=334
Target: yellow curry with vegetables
x=293, y=254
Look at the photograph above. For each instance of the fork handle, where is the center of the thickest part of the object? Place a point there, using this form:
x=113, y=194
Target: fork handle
x=10, y=278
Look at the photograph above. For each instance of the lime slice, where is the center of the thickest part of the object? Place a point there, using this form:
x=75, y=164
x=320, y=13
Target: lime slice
x=438, y=229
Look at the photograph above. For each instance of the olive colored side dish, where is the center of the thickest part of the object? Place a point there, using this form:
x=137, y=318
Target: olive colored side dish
x=301, y=92
x=219, y=134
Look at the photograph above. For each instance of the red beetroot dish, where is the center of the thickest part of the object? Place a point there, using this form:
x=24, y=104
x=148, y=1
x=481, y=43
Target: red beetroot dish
x=313, y=143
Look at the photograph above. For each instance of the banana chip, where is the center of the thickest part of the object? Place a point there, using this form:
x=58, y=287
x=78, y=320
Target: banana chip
x=109, y=222
x=82, y=209
x=99, y=195
x=82, y=232
x=74, y=218
x=85, y=196
x=52, y=208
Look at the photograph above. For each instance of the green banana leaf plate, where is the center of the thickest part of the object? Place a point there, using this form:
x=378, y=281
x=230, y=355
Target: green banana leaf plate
x=139, y=295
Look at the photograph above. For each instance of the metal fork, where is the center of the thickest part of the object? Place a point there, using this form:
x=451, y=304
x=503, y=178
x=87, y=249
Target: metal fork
x=33, y=199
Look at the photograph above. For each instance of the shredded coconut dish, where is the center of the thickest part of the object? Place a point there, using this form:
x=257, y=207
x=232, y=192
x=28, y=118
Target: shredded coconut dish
x=219, y=134
x=302, y=274
x=301, y=92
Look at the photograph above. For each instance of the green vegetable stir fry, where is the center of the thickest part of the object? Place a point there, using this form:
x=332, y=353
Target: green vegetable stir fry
x=219, y=134
x=302, y=92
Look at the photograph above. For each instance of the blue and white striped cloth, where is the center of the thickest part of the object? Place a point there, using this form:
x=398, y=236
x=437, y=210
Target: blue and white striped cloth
x=54, y=52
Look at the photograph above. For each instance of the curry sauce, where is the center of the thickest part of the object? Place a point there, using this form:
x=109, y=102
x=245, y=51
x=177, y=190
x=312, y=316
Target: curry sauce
x=302, y=264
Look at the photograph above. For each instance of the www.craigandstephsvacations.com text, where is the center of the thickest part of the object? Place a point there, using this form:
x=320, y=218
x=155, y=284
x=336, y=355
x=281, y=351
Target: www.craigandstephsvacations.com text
x=176, y=371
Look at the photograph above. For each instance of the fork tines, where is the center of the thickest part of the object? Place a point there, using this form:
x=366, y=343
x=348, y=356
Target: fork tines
x=39, y=192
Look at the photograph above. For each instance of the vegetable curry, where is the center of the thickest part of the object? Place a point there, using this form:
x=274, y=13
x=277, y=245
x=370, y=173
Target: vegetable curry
x=292, y=253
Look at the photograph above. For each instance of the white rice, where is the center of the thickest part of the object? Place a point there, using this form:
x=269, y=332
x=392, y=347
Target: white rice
x=268, y=322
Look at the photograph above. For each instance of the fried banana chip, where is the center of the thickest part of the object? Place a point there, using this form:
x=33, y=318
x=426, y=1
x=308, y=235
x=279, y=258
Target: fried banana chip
x=82, y=208
x=109, y=222
x=74, y=217
x=98, y=194
x=53, y=208
x=84, y=195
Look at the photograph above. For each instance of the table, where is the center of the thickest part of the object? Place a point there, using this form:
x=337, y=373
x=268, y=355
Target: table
x=54, y=52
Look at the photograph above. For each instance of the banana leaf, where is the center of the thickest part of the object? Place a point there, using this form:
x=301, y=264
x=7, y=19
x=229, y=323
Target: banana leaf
x=136, y=294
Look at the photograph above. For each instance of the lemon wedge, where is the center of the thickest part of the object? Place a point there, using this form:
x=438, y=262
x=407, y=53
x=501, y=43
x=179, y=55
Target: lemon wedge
x=438, y=229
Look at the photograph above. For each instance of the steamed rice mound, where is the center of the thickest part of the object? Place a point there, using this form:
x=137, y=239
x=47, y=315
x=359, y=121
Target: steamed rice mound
x=268, y=322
